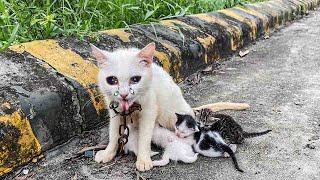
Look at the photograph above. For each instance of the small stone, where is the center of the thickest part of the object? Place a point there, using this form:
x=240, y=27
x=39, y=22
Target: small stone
x=89, y=154
x=315, y=137
x=243, y=53
x=310, y=146
x=25, y=171
x=298, y=103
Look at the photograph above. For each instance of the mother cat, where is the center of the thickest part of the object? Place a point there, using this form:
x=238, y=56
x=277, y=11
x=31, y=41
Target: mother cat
x=129, y=75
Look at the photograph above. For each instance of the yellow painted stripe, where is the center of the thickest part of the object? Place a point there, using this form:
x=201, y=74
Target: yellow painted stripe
x=29, y=145
x=282, y=11
x=206, y=42
x=120, y=33
x=288, y=4
x=172, y=24
x=251, y=23
x=264, y=18
x=66, y=62
x=274, y=14
x=284, y=6
x=234, y=31
x=176, y=66
x=164, y=58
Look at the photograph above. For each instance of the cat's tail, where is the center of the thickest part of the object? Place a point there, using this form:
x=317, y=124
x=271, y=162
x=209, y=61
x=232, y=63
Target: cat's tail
x=227, y=149
x=190, y=159
x=219, y=106
x=164, y=161
x=255, y=134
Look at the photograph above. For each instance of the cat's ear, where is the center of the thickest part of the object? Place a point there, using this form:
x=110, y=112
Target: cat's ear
x=178, y=115
x=100, y=55
x=196, y=129
x=146, y=54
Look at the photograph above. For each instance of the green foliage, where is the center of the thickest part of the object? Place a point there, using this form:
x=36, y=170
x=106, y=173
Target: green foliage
x=25, y=20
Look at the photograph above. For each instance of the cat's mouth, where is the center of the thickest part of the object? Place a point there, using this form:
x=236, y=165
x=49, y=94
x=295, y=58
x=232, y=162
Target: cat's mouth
x=125, y=104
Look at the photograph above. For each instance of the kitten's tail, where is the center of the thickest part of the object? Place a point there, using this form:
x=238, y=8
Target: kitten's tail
x=224, y=106
x=227, y=149
x=164, y=161
x=255, y=134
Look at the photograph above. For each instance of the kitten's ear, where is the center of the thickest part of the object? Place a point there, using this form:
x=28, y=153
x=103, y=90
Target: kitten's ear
x=196, y=129
x=146, y=54
x=100, y=55
x=178, y=115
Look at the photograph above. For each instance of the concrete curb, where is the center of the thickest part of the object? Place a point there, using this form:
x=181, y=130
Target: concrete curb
x=48, y=87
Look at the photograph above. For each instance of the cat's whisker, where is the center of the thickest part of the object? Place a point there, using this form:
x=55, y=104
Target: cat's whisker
x=90, y=100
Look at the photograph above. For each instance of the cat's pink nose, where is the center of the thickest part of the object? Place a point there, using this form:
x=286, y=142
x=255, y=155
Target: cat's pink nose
x=124, y=95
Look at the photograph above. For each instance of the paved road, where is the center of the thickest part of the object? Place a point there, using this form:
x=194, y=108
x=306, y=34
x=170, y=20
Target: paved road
x=279, y=78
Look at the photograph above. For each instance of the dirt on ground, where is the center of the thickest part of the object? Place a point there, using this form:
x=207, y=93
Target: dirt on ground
x=279, y=78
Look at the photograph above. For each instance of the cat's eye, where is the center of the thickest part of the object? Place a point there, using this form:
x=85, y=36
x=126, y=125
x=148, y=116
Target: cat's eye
x=135, y=79
x=112, y=80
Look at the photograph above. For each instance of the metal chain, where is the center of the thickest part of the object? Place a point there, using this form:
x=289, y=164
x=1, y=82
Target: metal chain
x=123, y=128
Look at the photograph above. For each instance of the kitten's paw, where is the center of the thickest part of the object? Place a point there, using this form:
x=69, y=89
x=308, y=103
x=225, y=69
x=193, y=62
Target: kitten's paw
x=144, y=164
x=153, y=153
x=226, y=155
x=104, y=156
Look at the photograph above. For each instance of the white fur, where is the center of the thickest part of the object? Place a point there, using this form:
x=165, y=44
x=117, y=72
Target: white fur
x=132, y=144
x=177, y=149
x=158, y=95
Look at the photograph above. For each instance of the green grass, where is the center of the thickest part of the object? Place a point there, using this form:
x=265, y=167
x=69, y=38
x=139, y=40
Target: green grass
x=26, y=20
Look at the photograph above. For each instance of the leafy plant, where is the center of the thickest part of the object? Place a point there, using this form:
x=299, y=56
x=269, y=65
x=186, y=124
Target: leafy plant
x=26, y=20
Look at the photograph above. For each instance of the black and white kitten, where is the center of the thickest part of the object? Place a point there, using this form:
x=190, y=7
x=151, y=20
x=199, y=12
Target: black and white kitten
x=205, y=141
x=230, y=130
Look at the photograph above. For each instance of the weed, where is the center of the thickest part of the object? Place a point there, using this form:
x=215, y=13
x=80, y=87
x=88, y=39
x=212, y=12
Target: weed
x=26, y=20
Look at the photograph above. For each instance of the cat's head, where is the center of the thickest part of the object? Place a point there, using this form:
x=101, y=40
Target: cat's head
x=125, y=74
x=185, y=126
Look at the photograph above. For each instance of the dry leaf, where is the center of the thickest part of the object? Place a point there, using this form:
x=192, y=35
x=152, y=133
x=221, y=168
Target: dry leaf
x=207, y=70
x=98, y=147
x=243, y=53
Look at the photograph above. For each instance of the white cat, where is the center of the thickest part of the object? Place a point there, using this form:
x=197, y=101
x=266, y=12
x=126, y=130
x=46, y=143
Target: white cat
x=132, y=144
x=175, y=148
x=127, y=76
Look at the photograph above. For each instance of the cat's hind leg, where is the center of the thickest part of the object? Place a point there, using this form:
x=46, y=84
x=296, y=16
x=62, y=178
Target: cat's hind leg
x=190, y=159
x=233, y=147
x=164, y=161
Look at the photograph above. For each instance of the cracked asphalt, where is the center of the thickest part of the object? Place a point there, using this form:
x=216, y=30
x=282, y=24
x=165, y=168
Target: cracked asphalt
x=279, y=78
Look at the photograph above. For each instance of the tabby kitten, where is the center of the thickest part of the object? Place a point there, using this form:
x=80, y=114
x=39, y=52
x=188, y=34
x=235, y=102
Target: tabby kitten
x=229, y=129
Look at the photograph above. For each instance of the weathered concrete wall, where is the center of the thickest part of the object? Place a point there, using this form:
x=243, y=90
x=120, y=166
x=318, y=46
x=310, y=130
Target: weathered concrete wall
x=48, y=90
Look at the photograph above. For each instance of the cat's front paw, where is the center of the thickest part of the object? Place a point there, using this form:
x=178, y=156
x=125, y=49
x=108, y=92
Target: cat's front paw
x=144, y=164
x=104, y=156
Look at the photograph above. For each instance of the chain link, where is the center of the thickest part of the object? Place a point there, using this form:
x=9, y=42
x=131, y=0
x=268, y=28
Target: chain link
x=123, y=128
